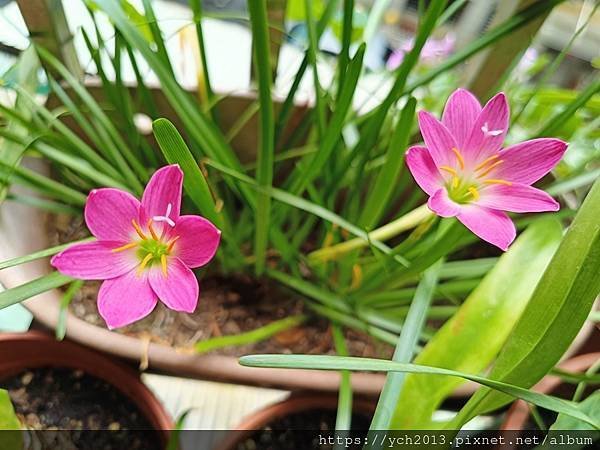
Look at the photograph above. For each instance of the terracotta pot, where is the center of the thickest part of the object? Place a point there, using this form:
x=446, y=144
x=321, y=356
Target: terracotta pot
x=518, y=414
x=34, y=349
x=294, y=404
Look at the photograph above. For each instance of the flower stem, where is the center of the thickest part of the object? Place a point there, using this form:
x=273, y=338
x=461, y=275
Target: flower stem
x=394, y=228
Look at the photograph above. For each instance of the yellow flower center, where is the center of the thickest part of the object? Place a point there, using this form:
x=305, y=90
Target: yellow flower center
x=463, y=186
x=151, y=249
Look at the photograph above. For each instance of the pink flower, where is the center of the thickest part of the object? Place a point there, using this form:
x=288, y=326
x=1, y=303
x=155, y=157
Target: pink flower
x=468, y=175
x=433, y=51
x=144, y=250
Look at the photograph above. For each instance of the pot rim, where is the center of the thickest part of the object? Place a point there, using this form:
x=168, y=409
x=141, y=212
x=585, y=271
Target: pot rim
x=16, y=357
x=297, y=402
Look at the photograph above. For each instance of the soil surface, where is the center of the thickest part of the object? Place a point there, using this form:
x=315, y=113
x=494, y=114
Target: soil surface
x=227, y=306
x=66, y=399
x=301, y=431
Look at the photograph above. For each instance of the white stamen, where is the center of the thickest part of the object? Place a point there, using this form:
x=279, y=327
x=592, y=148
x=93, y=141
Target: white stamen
x=165, y=218
x=489, y=132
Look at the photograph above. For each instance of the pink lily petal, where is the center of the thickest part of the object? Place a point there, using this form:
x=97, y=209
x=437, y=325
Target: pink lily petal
x=460, y=113
x=125, y=299
x=490, y=225
x=109, y=212
x=179, y=289
x=423, y=169
x=438, y=139
x=520, y=198
x=163, y=189
x=198, y=240
x=442, y=205
x=95, y=260
x=489, y=130
x=529, y=161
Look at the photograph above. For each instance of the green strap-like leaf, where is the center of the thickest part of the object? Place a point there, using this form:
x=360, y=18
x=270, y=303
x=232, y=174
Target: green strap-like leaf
x=325, y=362
x=472, y=338
x=556, y=312
x=176, y=151
x=32, y=288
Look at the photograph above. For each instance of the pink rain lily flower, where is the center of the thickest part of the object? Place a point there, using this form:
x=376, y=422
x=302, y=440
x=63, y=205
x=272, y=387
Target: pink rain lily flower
x=468, y=175
x=144, y=250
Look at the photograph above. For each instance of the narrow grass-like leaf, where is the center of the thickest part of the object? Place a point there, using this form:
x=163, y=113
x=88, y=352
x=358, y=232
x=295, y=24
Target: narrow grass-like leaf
x=386, y=180
x=405, y=348
x=559, y=119
x=83, y=148
x=313, y=208
x=32, y=288
x=128, y=164
x=43, y=204
x=288, y=104
x=26, y=74
x=200, y=129
x=156, y=34
x=175, y=435
x=264, y=171
x=45, y=184
x=350, y=320
x=204, y=83
x=65, y=301
x=343, y=420
x=41, y=254
x=176, y=151
x=249, y=337
x=311, y=52
x=388, y=231
x=556, y=312
x=314, y=163
x=325, y=362
x=481, y=326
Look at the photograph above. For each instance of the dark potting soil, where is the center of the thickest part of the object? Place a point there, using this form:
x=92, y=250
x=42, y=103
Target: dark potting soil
x=301, y=431
x=227, y=305
x=53, y=399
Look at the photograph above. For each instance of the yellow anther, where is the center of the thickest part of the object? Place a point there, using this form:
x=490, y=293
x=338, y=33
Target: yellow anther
x=138, y=230
x=474, y=192
x=489, y=169
x=163, y=263
x=124, y=247
x=449, y=170
x=455, y=182
x=144, y=263
x=152, y=232
x=497, y=181
x=486, y=162
x=461, y=161
x=171, y=244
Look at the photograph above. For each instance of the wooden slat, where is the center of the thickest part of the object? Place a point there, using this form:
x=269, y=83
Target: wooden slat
x=47, y=25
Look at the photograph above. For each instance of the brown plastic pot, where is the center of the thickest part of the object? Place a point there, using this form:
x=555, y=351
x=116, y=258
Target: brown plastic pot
x=34, y=349
x=295, y=404
x=518, y=414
